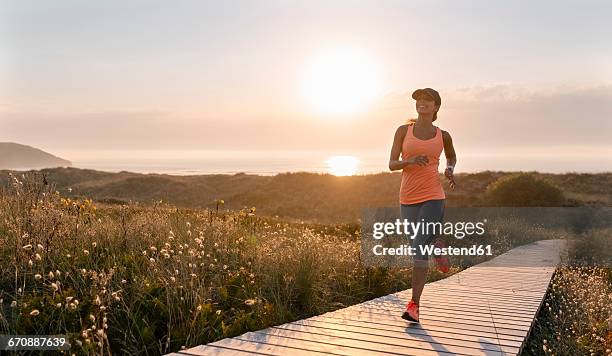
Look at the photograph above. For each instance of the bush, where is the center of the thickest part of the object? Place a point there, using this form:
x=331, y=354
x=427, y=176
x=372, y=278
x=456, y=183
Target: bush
x=523, y=190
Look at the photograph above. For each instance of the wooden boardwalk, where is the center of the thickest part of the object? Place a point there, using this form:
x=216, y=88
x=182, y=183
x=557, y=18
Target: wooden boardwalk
x=487, y=309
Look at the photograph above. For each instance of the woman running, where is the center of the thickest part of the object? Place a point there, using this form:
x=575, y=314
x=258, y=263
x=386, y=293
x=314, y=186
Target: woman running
x=421, y=196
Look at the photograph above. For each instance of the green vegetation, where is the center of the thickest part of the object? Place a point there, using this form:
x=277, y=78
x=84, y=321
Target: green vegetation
x=299, y=196
x=151, y=276
x=576, y=318
x=150, y=279
x=523, y=190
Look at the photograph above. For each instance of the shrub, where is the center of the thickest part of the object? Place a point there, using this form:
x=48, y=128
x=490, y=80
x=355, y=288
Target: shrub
x=523, y=190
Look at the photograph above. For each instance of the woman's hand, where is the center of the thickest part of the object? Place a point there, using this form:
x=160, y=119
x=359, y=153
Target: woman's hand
x=421, y=160
x=449, y=174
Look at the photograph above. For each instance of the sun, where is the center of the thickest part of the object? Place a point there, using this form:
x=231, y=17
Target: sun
x=341, y=81
x=342, y=165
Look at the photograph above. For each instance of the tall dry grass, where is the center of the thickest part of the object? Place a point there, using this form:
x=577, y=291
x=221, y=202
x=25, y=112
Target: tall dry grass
x=153, y=279
x=576, y=317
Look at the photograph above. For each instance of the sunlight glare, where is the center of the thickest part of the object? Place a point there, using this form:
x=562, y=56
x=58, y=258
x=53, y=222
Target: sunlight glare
x=342, y=165
x=341, y=82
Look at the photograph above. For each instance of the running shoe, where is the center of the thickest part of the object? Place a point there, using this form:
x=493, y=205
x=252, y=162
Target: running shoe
x=442, y=263
x=412, y=312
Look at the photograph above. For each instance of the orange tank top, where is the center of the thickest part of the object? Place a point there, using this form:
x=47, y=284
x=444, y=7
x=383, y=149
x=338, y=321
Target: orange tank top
x=421, y=183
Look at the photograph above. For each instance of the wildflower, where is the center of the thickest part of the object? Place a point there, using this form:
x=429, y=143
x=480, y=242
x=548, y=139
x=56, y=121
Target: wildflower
x=92, y=317
x=55, y=287
x=38, y=257
x=13, y=304
x=97, y=300
x=58, y=305
x=94, y=244
x=173, y=279
x=199, y=308
x=250, y=302
x=30, y=263
x=193, y=275
x=27, y=247
x=51, y=275
x=34, y=312
x=86, y=252
x=218, y=312
x=37, y=277
x=152, y=260
x=123, y=281
x=40, y=247
x=58, y=273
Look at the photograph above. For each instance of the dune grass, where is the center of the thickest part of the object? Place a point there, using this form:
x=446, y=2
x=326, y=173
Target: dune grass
x=152, y=279
x=576, y=317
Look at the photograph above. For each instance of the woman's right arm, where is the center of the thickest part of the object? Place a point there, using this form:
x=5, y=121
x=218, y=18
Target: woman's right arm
x=394, y=162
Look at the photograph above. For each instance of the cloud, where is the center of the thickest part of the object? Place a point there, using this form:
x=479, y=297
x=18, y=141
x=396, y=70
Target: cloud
x=509, y=115
x=486, y=118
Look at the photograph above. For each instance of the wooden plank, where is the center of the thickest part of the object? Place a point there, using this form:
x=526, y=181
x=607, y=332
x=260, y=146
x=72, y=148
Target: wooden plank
x=462, y=305
x=467, y=322
x=446, y=339
x=473, y=312
x=209, y=350
x=459, y=315
x=415, y=329
x=369, y=346
x=440, y=322
x=430, y=325
x=234, y=345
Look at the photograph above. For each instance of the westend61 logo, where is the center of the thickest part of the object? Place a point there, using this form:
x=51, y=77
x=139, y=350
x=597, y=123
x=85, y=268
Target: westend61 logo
x=412, y=228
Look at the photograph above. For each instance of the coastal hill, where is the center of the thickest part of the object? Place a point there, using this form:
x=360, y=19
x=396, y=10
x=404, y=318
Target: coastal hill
x=16, y=156
x=301, y=196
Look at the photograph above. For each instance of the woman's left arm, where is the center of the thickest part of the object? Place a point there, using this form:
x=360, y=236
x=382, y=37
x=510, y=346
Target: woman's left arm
x=451, y=158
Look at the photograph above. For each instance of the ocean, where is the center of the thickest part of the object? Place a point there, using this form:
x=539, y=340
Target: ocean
x=337, y=163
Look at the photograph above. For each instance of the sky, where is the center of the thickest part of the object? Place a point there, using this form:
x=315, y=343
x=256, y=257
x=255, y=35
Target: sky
x=516, y=77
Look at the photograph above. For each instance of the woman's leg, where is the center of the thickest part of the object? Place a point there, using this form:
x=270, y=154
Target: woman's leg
x=429, y=211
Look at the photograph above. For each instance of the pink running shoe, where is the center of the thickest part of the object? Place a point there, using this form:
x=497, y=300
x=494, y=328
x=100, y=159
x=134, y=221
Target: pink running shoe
x=412, y=312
